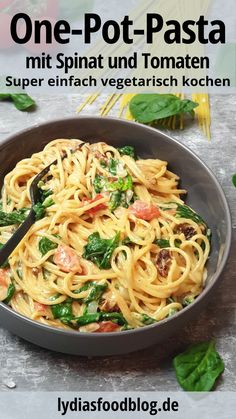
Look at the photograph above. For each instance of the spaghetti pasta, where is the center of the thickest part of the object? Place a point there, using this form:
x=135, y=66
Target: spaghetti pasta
x=114, y=246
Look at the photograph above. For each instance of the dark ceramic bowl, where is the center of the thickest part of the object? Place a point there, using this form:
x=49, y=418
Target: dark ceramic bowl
x=205, y=196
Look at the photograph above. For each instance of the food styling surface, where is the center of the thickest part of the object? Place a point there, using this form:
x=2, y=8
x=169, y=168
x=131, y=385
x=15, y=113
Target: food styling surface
x=25, y=366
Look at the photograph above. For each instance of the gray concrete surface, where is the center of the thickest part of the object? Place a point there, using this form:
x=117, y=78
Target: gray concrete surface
x=33, y=368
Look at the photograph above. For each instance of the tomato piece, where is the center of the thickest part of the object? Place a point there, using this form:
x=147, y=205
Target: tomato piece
x=144, y=211
x=40, y=307
x=5, y=281
x=67, y=259
x=43, y=309
x=108, y=327
x=99, y=207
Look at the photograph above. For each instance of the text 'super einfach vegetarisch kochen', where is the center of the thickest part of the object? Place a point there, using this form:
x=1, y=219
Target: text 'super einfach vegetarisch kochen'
x=114, y=247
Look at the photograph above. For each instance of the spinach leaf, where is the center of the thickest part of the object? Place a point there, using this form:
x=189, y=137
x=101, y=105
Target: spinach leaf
x=128, y=150
x=99, y=251
x=189, y=299
x=67, y=317
x=103, y=164
x=121, y=184
x=10, y=293
x=209, y=237
x=87, y=319
x=101, y=316
x=98, y=183
x=171, y=300
x=45, y=245
x=127, y=241
x=22, y=102
x=113, y=166
x=183, y=211
x=63, y=310
x=40, y=208
x=147, y=108
x=114, y=317
x=198, y=367
x=115, y=200
x=172, y=312
x=19, y=273
x=14, y=217
x=147, y=320
x=43, y=193
x=117, y=185
x=85, y=287
x=234, y=180
x=96, y=292
x=127, y=183
x=163, y=243
x=6, y=263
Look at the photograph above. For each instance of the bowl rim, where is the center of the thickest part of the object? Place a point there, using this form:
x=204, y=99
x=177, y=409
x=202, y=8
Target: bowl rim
x=179, y=314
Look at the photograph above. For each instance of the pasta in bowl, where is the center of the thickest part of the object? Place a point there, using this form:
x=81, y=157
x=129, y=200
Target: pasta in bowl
x=114, y=246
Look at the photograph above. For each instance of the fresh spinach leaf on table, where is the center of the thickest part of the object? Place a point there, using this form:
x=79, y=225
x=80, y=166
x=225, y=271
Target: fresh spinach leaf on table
x=198, y=367
x=148, y=108
x=22, y=101
x=234, y=180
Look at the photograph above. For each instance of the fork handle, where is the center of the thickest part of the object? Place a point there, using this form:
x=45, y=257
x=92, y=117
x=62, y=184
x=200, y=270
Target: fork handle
x=11, y=244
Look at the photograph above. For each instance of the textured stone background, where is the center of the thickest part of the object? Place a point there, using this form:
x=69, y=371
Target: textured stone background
x=33, y=368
